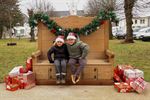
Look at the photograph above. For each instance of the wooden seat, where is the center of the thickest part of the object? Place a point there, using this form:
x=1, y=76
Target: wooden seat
x=89, y=62
x=99, y=68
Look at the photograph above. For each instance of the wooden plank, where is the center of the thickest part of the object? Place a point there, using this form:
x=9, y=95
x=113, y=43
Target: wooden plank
x=106, y=34
x=73, y=21
x=52, y=72
x=105, y=72
x=42, y=76
x=90, y=73
x=43, y=63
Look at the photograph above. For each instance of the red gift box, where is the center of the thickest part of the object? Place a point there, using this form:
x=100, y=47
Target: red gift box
x=22, y=81
x=12, y=87
x=21, y=84
x=123, y=87
x=121, y=68
x=129, y=80
x=15, y=80
x=117, y=78
x=119, y=72
x=29, y=85
x=8, y=79
x=29, y=64
x=28, y=79
x=23, y=70
x=139, y=85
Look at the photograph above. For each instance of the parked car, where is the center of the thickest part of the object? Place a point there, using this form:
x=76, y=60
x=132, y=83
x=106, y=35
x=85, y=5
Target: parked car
x=115, y=29
x=114, y=32
x=135, y=32
x=120, y=34
x=142, y=32
x=146, y=37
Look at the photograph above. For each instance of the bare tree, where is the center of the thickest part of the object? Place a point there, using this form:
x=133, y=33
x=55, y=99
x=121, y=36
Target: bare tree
x=123, y=8
x=43, y=6
x=95, y=5
x=39, y=6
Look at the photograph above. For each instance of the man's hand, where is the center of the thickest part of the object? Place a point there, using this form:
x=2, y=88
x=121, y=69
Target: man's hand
x=52, y=61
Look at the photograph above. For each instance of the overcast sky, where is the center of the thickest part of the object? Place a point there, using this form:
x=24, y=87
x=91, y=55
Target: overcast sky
x=59, y=5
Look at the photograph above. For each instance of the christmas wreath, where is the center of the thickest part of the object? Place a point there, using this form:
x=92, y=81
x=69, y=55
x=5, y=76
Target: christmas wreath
x=86, y=30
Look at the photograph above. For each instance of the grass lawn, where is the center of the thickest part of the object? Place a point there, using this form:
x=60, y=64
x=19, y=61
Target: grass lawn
x=136, y=54
x=11, y=56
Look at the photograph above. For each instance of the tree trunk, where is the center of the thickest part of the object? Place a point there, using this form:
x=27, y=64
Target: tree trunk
x=1, y=32
x=128, y=7
x=32, y=35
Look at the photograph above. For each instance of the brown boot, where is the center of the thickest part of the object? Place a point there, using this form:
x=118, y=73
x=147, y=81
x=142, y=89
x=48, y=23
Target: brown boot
x=77, y=79
x=73, y=79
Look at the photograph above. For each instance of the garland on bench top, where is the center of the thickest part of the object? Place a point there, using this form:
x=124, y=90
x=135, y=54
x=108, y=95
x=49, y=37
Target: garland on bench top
x=86, y=30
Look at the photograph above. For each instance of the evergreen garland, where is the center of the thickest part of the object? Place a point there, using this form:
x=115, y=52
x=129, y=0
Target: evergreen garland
x=86, y=30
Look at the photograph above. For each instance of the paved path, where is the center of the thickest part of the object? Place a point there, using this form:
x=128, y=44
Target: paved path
x=71, y=93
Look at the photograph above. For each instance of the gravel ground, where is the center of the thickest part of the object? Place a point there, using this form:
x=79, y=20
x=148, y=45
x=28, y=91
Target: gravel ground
x=45, y=92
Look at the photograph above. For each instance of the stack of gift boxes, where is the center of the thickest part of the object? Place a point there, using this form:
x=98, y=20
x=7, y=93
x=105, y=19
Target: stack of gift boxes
x=128, y=79
x=20, y=77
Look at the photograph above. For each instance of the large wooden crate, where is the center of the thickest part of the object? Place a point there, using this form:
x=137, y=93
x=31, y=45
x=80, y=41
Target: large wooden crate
x=99, y=68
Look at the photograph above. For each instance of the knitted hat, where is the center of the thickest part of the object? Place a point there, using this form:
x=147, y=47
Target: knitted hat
x=60, y=38
x=71, y=35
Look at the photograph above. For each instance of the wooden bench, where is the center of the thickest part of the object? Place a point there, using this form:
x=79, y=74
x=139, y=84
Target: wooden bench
x=99, y=68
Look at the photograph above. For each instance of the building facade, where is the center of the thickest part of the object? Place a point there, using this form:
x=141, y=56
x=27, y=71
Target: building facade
x=138, y=22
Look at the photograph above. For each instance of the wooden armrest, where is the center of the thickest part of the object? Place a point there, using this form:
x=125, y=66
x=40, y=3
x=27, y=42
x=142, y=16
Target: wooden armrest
x=36, y=54
x=110, y=54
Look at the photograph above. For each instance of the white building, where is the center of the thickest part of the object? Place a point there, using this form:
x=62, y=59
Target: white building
x=141, y=22
x=140, y=19
x=138, y=22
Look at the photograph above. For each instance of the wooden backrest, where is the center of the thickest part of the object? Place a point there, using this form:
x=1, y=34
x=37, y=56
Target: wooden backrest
x=98, y=40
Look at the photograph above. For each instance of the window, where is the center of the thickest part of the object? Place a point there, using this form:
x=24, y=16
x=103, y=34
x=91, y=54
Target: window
x=136, y=21
x=142, y=21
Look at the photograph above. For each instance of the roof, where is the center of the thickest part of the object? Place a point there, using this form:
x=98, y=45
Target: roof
x=66, y=13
